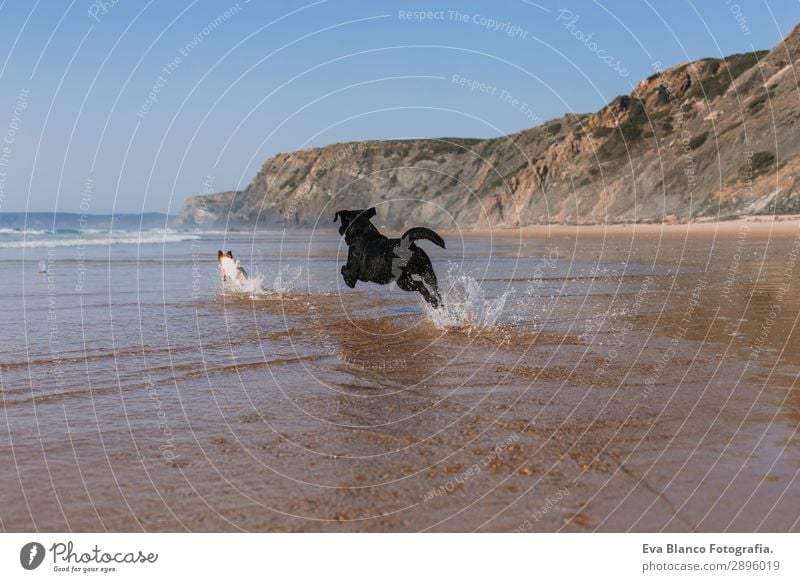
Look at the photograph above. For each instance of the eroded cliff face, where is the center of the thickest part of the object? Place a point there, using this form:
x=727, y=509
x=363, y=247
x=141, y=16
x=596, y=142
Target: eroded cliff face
x=710, y=139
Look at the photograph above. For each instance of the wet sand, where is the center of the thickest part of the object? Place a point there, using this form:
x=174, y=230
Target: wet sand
x=622, y=387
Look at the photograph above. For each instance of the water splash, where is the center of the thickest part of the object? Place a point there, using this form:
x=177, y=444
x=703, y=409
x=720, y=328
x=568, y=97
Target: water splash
x=257, y=287
x=254, y=286
x=466, y=305
x=287, y=278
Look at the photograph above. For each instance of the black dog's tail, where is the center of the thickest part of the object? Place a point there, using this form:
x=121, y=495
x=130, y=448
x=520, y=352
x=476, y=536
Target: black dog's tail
x=420, y=232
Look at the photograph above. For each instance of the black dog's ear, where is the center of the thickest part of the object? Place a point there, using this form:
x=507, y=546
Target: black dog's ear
x=336, y=216
x=369, y=213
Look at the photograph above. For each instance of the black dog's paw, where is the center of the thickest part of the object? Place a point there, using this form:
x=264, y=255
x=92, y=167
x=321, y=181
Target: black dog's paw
x=348, y=277
x=433, y=299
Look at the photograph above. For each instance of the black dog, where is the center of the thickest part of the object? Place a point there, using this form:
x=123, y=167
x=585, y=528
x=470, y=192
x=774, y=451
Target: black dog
x=375, y=258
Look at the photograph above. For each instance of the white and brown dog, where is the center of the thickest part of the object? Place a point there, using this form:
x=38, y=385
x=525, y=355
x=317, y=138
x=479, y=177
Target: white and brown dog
x=230, y=269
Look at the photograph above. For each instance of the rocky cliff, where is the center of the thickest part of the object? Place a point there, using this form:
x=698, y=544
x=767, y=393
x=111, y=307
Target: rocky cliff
x=715, y=138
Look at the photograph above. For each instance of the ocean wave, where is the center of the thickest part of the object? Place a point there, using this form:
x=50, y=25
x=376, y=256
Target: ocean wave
x=127, y=238
x=23, y=232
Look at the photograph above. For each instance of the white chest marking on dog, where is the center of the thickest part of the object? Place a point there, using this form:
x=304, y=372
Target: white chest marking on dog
x=233, y=270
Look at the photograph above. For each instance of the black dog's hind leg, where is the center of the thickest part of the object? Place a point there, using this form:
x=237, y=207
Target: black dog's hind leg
x=432, y=286
x=425, y=278
x=406, y=283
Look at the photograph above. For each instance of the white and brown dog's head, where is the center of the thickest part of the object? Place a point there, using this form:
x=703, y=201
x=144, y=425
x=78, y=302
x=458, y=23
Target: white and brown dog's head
x=221, y=255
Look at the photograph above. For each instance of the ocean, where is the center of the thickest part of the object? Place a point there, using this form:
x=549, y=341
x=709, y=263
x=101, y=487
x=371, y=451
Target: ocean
x=566, y=384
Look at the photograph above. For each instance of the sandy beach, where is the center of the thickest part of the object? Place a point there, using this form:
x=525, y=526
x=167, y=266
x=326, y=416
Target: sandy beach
x=581, y=382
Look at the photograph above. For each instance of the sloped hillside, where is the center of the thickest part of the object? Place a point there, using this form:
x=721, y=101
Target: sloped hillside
x=715, y=138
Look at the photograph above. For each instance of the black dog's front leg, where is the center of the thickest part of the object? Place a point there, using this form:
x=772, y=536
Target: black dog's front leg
x=348, y=276
x=349, y=272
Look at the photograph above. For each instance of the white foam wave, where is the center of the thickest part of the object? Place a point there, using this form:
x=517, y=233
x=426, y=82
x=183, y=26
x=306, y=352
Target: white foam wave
x=465, y=304
x=22, y=232
x=78, y=241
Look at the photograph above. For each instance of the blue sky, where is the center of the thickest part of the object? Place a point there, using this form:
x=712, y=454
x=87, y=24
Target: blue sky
x=235, y=83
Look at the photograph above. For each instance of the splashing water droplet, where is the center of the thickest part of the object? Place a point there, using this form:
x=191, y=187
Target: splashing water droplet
x=284, y=283
x=465, y=305
x=253, y=286
x=287, y=278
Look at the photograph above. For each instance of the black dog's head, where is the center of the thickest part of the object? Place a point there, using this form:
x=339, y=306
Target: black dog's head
x=355, y=222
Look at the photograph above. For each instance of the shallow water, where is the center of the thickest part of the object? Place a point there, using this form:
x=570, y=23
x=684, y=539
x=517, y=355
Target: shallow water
x=566, y=385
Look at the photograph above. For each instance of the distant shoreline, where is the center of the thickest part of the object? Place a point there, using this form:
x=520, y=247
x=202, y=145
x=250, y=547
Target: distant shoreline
x=756, y=227
x=760, y=227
